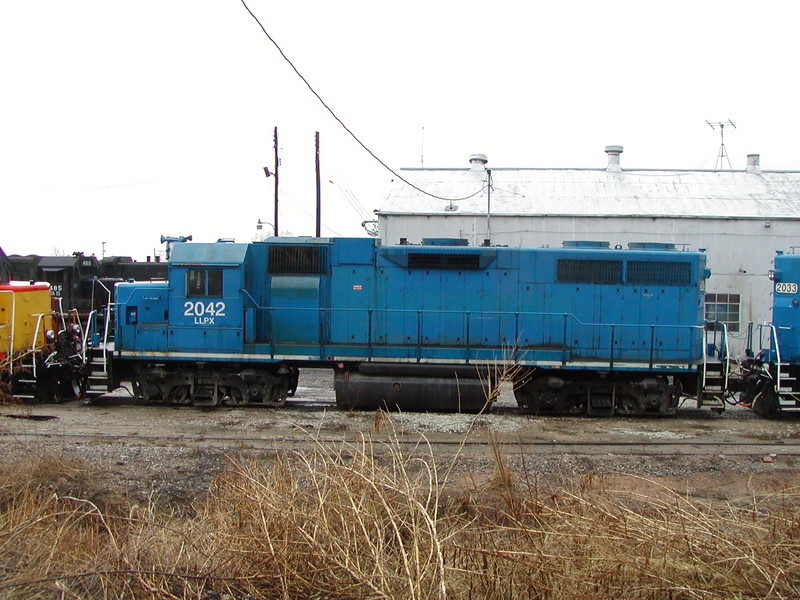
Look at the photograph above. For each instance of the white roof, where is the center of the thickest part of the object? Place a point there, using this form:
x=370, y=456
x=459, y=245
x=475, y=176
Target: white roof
x=599, y=192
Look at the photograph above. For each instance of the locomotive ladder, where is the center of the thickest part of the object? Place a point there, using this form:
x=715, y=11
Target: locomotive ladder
x=96, y=362
x=785, y=385
x=716, y=368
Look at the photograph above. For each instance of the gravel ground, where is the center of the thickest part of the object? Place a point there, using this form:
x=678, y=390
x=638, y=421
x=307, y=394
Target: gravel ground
x=174, y=452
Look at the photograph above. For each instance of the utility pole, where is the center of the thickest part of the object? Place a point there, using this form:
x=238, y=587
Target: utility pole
x=488, y=239
x=277, y=162
x=319, y=190
x=269, y=173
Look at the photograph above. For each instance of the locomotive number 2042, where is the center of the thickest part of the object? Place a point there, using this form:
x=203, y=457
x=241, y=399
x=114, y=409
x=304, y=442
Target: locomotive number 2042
x=201, y=309
x=782, y=287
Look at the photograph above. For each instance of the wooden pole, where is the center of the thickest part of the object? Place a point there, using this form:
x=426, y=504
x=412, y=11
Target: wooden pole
x=319, y=191
x=277, y=162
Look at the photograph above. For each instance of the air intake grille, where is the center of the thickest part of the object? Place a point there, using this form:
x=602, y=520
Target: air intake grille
x=298, y=259
x=434, y=260
x=660, y=273
x=589, y=271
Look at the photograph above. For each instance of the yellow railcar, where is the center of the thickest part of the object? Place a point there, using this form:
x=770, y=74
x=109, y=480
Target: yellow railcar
x=39, y=361
x=25, y=316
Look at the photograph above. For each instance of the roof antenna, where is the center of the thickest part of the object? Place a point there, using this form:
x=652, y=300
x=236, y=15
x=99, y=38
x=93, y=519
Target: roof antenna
x=422, y=149
x=723, y=154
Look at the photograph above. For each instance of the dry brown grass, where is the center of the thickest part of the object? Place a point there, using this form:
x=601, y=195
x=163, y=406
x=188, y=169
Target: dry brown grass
x=10, y=363
x=377, y=520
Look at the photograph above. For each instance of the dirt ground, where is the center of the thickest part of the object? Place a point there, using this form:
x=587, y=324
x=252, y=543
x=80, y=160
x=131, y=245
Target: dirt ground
x=173, y=453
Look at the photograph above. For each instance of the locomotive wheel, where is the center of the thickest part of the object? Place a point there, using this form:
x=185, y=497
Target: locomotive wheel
x=277, y=395
x=527, y=402
x=628, y=405
x=46, y=391
x=523, y=398
x=294, y=378
x=766, y=403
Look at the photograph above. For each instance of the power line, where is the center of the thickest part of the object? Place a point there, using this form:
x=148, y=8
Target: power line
x=338, y=120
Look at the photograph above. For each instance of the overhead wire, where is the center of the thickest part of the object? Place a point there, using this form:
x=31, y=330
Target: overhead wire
x=353, y=201
x=338, y=120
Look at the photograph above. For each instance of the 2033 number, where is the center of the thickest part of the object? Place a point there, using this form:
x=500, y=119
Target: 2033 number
x=785, y=288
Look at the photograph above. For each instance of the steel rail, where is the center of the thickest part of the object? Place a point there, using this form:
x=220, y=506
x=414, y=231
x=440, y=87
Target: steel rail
x=417, y=440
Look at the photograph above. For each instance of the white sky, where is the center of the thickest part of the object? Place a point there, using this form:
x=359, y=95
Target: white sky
x=123, y=121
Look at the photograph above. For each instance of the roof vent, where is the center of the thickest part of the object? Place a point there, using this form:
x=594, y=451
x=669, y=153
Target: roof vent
x=754, y=163
x=613, y=158
x=444, y=242
x=651, y=246
x=477, y=164
x=585, y=244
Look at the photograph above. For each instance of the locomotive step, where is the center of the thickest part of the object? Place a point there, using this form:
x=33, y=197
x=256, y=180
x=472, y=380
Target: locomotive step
x=789, y=404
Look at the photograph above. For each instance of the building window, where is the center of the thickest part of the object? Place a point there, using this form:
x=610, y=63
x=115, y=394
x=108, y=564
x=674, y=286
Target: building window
x=723, y=308
x=204, y=282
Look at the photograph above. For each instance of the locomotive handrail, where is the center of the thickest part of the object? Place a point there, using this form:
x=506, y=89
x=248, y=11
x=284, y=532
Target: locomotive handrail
x=774, y=334
x=481, y=313
x=774, y=349
x=87, y=332
x=91, y=323
x=106, y=330
x=60, y=313
x=97, y=281
x=616, y=352
x=721, y=351
x=39, y=318
x=253, y=300
x=33, y=342
x=461, y=312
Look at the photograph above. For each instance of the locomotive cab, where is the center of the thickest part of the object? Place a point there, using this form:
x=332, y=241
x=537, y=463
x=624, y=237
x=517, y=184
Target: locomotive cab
x=772, y=379
x=206, y=297
x=183, y=340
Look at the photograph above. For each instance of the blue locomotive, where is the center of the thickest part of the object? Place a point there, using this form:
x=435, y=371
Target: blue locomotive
x=771, y=381
x=583, y=328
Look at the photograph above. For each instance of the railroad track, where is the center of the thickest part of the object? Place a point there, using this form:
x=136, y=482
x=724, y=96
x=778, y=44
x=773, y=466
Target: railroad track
x=587, y=447
x=314, y=418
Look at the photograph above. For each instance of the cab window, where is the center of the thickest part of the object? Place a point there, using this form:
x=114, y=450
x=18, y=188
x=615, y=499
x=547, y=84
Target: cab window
x=204, y=282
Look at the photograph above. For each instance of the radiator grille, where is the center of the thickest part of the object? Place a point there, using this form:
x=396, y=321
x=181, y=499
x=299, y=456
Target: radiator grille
x=660, y=273
x=435, y=260
x=293, y=259
x=589, y=271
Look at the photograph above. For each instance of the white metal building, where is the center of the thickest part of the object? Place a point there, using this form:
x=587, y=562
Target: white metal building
x=740, y=218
